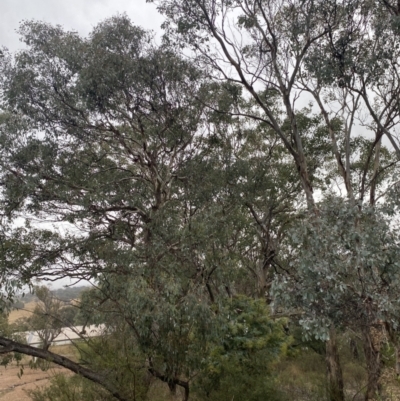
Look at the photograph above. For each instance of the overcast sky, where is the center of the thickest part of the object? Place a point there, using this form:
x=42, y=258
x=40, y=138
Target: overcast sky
x=78, y=15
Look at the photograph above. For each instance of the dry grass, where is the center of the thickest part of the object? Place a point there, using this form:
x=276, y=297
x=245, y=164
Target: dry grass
x=14, y=388
x=68, y=351
x=391, y=384
x=19, y=313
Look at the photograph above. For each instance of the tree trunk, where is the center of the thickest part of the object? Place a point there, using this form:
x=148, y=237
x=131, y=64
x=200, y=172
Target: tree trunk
x=172, y=383
x=397, y=349
x=371, y=343
x=172, y=387
x=335, y=377
x=354, y=349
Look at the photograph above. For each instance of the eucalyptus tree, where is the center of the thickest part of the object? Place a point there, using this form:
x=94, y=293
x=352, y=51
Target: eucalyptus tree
x=109, y=173
x=218, y=253
x=96, y=134
x=260, y=46
x=338, y=52
x=347, y=275
x=46, y=318
x=288, y=48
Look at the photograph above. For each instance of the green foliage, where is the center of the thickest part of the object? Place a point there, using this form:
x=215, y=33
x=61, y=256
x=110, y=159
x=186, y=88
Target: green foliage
x=46, y=319
x=116, y=356
x=18, y=304
x=183, y=199
x=241, y=363
x=67, y=315
x=132, y=148
x=249, y=380
x=20, y=325
x=6, y=330
x=347, y=270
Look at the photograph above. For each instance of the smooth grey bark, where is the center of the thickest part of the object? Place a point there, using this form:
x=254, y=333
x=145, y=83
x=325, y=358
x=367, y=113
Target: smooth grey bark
x=335, y=376
x=374, y=364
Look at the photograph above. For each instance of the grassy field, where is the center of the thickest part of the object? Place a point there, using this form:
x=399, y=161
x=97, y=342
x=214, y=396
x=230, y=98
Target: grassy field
x=14, y=388
x=26, y=311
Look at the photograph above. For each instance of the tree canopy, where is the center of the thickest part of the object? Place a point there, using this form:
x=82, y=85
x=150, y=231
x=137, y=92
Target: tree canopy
x=243, y=169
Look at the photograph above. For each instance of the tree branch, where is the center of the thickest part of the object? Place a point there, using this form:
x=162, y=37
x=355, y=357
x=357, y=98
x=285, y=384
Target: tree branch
x=13, y=346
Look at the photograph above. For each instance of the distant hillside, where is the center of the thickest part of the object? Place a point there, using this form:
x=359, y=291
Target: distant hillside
x=65, y=294
x=69, y=293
